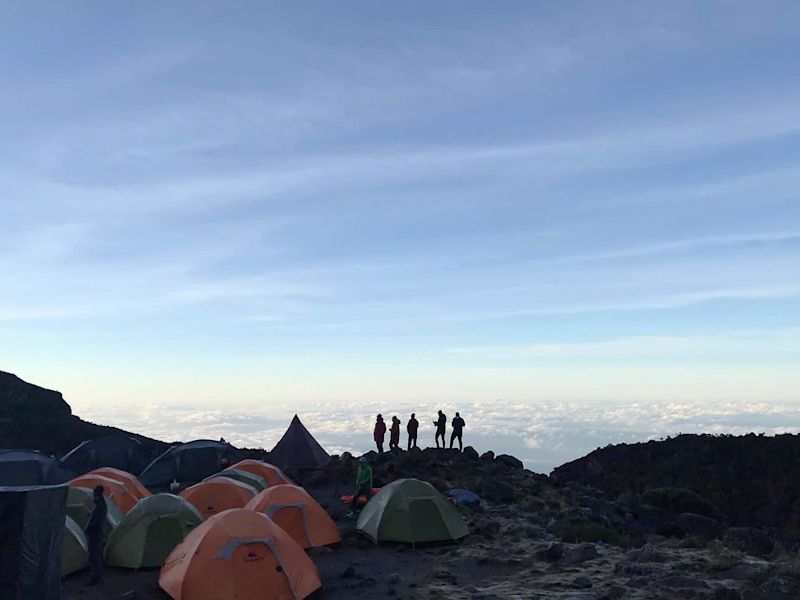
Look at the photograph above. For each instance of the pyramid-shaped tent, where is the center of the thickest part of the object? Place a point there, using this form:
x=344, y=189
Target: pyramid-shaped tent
x=298, y=449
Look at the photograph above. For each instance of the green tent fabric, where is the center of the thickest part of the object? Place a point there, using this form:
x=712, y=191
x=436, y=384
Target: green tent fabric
x=410, y=510
x=74, y=548
x=150, y=531
x=80, y=504
x=252, y=479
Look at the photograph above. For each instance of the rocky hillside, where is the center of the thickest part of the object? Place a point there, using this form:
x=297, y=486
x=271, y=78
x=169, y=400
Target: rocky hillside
x=32, y=417
x=537, y=537
x=750, y=480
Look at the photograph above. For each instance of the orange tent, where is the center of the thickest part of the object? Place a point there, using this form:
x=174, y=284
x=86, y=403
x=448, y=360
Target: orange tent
x=269, y=473
x=238, y=554
x=114, y=490
x=217, y=494
x=298, y=514
x=130, y=481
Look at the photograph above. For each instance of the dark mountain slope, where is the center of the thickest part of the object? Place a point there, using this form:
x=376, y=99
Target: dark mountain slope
x=751, y=479
x=36, y=418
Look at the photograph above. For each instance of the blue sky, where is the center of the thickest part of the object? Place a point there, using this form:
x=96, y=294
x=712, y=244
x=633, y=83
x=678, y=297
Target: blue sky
x=215, y=204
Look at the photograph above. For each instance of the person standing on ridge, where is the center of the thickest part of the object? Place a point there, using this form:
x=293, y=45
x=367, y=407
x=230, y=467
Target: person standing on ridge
x=94, y=535
x=394, y=434
x=379, y=433
x=363, y=484
x=412, y=427
x=441, y=425
x=458, y=428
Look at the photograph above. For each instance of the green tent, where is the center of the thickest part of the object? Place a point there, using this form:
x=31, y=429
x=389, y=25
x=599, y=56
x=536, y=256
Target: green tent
x=410, y=510
x=80, y=502
x=251, y=479
x=150, y=531
x=74, y=548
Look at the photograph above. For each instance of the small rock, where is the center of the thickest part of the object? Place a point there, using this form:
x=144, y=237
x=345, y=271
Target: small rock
x=320, y=551
x=778, y=588
x=682, y=582
x=393, y=579
x=349, y=572
x=129, y=595
x=581, y=583
x=554, y=552
x=581, y=553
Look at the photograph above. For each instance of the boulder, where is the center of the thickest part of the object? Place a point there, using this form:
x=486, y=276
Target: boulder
x=470, y=453
x=581, y=553
x=552, y=553
x=699, y=525
x=509, y=461
x=487, y=456
x=749, y=540
x=497, y=491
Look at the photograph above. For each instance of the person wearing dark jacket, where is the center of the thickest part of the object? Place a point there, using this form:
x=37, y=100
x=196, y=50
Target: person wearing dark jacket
x=379, y=433
x=441, y=425
x=411, y=428
x=458, y=428
x=94, y=535
x=394, y=434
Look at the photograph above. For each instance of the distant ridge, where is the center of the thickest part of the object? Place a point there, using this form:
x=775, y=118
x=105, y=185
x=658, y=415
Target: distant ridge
x=32, y=417
x=752, y=479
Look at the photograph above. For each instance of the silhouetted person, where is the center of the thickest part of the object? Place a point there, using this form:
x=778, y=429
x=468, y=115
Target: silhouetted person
x=411, y=428
x=394, y=434
x=363, y=483
x=458, y=428
x=441, y=425
x=94, y=535
x=379, y=432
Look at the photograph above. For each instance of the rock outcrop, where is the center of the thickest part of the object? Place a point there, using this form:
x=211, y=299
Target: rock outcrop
x=35, y=418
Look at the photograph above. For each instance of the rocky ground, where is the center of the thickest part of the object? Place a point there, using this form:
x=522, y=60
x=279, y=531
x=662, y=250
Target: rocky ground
x=533, y=537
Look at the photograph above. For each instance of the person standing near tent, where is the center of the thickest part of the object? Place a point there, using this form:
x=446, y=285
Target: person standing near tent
x=363, y=484
x=458, y=428
x=411, y=428
x=379, y=433
x=394, y=434
x=94, y=535
x=441, y=425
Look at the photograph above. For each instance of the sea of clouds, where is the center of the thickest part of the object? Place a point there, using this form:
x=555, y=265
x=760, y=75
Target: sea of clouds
x=543, y=434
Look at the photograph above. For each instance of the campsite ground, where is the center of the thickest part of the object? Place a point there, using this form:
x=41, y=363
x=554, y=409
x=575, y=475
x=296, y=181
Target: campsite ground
x=531, y=538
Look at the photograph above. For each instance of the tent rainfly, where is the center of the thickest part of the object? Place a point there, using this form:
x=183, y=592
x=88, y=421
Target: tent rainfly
x=298, y=449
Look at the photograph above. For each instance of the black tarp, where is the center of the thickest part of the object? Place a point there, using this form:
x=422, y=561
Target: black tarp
x=298, y=449
x=31, y=524
x=190, y=462
x=27, y=467
x=118, y=451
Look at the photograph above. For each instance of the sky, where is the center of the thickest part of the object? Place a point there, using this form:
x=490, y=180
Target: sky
x=534, y=211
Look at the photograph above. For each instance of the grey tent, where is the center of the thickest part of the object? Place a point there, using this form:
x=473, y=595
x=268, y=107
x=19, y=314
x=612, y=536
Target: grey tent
x=298, y=449
x=31, y=527
x=118, y=451
x=190, y=462
x=27, y=467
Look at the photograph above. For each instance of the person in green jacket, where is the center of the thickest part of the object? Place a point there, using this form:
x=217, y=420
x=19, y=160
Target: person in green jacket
x=363, y=483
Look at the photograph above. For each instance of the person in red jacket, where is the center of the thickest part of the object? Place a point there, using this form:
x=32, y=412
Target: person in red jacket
x=394, y=434
x=379, y=433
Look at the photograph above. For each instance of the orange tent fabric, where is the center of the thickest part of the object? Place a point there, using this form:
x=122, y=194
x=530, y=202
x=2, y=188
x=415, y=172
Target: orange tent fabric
x=214, y=495
x=298, y=514
x=130, y=481
x=114, y=490
x=269, y=473
x=348, y=498
x=238, y=555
